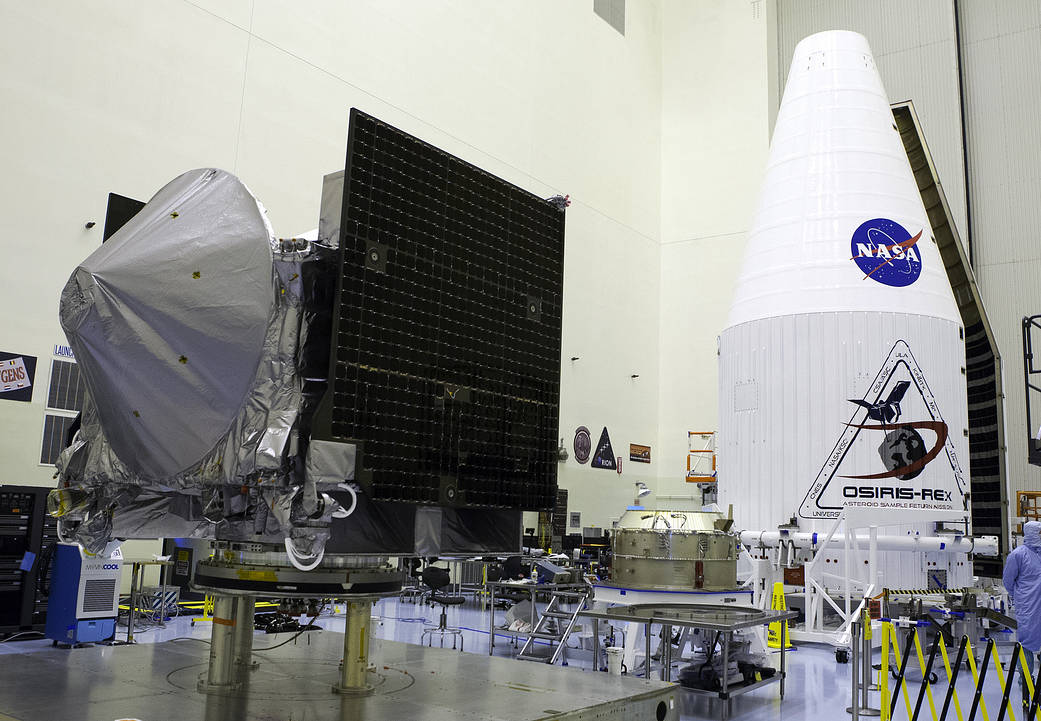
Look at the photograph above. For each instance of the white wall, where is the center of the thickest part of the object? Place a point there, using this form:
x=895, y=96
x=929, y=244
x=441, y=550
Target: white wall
x=715, y=138
x=122, y=96
x=1001, y=44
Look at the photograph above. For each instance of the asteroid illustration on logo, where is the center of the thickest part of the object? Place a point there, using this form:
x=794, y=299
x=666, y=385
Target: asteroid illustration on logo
x=902, y=449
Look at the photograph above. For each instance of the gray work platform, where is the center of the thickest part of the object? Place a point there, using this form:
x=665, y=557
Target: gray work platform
x=156, y=682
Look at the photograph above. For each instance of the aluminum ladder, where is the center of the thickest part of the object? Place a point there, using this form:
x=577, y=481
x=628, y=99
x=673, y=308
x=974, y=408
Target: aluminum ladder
x=554, y=625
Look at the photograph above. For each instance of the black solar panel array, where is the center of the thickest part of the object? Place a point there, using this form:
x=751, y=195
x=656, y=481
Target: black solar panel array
x=985, y=477
x=446, y=337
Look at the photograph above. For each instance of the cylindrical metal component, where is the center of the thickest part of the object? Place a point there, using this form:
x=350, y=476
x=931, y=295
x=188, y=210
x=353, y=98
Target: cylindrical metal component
x=865, y=661
x=647, y=650
x=132, y=614
x=854, y=638
x=220, y=676
x=242, y=640
x=860, y=651
x=865, y=664
x=985, y=545
x=674, y=559
x=371, y=578
x=666, y=653
x=355, y=669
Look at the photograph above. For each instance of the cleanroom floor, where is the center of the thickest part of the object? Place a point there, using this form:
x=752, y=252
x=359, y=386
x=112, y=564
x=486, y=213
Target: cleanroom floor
x=817, y=686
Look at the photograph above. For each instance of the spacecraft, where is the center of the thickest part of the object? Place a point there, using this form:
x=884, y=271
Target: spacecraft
x=315, y=407
x=842, y=390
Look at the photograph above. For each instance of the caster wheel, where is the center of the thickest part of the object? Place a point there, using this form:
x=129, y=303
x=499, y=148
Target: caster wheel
x=842, y=655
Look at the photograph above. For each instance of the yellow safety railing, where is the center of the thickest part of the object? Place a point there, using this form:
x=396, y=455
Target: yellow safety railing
x=206, y=606
x=1010, y=696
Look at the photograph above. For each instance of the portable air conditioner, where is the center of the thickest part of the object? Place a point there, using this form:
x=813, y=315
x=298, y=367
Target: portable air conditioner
x=84, y=600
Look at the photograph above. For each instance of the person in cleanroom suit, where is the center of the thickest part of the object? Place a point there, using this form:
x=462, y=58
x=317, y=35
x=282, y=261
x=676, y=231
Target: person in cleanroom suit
x=1022, y=579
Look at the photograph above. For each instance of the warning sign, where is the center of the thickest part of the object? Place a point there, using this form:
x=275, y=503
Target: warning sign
x=778, y=629
x=17, y=373
x=604, y=456
x=894, y=452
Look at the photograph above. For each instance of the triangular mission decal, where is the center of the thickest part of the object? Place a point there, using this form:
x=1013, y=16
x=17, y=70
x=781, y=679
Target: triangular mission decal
x=896, y=450
x=604, y=457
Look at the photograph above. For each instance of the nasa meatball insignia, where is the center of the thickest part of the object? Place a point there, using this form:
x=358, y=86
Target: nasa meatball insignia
x=886, y=252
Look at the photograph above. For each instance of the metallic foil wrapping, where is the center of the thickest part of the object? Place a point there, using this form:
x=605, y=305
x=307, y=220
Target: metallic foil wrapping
x=187, y=325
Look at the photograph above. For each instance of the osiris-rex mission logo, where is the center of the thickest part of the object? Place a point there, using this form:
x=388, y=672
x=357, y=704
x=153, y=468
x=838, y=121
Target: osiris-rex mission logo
x=882, y=459
x=886, y=252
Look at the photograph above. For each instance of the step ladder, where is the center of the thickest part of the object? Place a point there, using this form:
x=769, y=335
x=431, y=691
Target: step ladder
x=554, y=625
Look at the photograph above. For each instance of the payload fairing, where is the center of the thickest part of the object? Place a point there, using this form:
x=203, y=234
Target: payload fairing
x=842, y=380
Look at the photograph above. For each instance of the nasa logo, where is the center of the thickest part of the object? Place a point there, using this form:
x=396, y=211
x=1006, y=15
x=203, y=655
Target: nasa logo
x=886, y=252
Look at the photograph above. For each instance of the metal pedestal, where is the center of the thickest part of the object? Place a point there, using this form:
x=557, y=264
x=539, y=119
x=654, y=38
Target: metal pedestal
x=242, y=636
x=231, y=645
x=354, y=671
x=860, y=642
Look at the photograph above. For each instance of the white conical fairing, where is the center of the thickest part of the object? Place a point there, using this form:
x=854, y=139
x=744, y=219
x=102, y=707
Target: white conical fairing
x=840, y=372
x=836, y=163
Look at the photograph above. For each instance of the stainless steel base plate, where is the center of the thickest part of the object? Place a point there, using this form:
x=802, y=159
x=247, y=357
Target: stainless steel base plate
x=158, y=681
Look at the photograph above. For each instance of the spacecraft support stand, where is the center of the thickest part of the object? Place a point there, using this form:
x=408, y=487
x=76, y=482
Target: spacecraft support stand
x=231, y=644
x=242, y=639
x=863, y=577
x=354, y=670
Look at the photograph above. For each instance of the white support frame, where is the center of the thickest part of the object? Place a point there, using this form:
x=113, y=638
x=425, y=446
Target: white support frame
x=853, y=583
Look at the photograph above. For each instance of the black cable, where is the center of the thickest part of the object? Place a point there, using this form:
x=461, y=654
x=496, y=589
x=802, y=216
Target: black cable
x=412, y=680
x=297, y=634
x=708, y=656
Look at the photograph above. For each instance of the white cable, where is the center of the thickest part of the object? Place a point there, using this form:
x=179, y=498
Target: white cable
x=342, y=512
x=298, y=564
x=58, y=530
x=354, y=502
